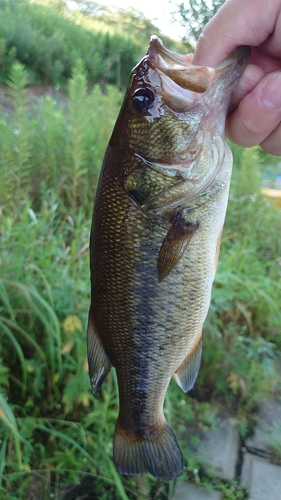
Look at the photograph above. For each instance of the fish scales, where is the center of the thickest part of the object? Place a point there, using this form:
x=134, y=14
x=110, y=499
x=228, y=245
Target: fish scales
x=163, y=137
x=157, y=223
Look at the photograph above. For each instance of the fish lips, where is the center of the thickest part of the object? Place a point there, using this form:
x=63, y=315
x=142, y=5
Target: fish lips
x=185, y=85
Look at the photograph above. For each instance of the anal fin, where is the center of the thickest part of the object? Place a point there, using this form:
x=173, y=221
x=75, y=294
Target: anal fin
x=174, y=245
x=99, y=364
x=187, y=373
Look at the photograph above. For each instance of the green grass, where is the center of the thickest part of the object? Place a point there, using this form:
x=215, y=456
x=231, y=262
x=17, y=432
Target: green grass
x=53, y=432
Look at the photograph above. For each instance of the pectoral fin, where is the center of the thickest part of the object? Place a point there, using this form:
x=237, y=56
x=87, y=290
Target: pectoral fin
x=174, y=245
x=99, y=364
x=188, y=370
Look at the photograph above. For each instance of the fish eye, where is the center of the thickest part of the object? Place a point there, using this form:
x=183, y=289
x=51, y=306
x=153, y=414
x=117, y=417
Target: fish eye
x=142, y=100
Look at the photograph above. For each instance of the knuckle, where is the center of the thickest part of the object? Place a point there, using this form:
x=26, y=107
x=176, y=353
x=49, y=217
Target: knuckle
x=253, y=128
x=273, y=148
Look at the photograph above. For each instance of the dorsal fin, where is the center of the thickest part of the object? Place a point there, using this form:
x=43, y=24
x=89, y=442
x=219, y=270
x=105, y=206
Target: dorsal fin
x=174, y=245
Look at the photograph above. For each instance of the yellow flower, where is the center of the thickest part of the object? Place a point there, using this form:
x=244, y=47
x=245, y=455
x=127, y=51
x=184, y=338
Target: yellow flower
x=72, y=323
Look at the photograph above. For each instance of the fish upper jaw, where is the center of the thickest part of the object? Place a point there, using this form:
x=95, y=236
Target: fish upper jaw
x=177, y=67
x=197, y=78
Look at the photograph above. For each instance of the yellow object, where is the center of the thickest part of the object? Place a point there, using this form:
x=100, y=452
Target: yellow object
x=72, y=323
x=273, y=194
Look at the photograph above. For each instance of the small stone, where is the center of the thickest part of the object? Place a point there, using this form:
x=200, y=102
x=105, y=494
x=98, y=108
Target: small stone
x=218, y=451
x=247, y=466
x=267, y=435
x=246, y=472
x=186, y=491
x=265, y=480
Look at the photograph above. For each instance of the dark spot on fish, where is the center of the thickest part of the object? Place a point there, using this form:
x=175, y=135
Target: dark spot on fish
x=138, y=197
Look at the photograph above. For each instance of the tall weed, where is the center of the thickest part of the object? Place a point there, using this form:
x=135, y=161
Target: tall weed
x=78, y=122
x=16, y=153
x=54, y=143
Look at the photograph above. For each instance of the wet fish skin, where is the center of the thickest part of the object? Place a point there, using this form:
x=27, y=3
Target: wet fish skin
x=157, y=222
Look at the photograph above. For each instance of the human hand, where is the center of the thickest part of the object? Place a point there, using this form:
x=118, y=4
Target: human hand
x=257, y=98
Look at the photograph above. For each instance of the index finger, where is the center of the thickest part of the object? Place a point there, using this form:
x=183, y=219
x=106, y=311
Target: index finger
x=237, y=22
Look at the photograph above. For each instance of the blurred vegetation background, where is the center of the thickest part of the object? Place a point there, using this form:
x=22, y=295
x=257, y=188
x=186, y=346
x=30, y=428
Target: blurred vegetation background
x=63, y=74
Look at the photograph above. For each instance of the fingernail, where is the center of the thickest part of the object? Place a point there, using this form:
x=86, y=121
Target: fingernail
x=271, y=93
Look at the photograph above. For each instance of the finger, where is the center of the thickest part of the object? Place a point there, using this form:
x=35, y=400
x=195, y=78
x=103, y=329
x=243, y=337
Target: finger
x=272, y=144
x=237, y=22
x=258, y=114
x=249, y=79
x=264, y=60
x=272, y=45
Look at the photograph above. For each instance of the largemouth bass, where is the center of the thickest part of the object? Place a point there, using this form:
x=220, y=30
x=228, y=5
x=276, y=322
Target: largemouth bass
x=155, y=239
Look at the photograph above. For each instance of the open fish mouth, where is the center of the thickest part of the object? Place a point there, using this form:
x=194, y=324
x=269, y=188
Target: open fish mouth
x=185, y=86
x=190, y=77
x=178, y=67
x=188, y=89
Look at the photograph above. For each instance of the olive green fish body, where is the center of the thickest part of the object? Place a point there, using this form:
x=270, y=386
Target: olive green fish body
x=157, y=223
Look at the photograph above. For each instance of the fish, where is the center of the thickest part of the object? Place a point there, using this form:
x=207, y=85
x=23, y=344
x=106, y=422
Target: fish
x=157, y=223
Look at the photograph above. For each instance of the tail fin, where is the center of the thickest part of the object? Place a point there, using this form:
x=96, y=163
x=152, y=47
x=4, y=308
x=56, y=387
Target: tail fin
x=157, y=453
